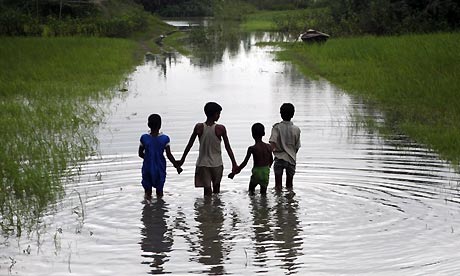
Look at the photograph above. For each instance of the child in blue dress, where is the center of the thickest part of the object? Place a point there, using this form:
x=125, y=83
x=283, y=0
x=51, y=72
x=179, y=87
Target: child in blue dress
x=151, y=149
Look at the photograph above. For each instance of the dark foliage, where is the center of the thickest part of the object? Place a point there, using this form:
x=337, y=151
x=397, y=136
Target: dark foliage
x=178, y=8
x=393, y=16
x=338, y=17
x=66, y=18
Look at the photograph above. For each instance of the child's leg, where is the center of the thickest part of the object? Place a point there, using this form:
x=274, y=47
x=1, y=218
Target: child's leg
x=147, y=185
x=278, y=181
x=290, y=171
x=278, y=170
x=147, y=193
x=263, y=190
x=289, y=178
x=159, y=184
x=203, y=179
x=216, y=178
x=207, y=191
x=252, y=188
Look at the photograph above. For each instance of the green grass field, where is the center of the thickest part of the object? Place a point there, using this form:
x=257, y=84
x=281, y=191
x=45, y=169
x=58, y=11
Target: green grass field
x=413, y=79
x=49, y=92
x=260, y=21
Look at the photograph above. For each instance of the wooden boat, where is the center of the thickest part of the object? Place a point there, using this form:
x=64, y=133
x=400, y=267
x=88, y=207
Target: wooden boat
x=314, y=36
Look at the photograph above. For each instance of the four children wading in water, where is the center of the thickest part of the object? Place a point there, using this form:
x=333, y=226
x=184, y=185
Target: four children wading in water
x=284, y=143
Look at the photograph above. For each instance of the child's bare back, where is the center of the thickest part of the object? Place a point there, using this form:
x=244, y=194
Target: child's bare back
x=261, y=154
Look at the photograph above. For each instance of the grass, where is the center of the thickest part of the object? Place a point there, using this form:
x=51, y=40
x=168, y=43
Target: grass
x=49, y=94
x=292, y=22
x=260, y=21
x=413, y=79
x=177, y=42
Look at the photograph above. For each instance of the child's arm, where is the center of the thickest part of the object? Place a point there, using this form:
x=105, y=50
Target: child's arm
x=172, y=159
x=228, y=148
x=242, y=165
x=141, y=151
x=189, y=145
x=273, y=138
x=270, y=149
x=246, y=159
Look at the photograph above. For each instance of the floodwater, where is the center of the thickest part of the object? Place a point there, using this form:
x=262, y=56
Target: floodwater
x=362, y=204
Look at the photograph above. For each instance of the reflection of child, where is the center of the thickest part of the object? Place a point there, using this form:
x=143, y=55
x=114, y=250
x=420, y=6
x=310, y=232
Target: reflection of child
x=263, y=159
x=209, y=166
x=285, y=141
x=151, y=150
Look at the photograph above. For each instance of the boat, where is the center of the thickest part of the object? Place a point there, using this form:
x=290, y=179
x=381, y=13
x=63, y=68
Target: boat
x=314, y=36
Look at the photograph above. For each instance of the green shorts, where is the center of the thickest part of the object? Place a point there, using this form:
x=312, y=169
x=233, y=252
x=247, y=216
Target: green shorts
x=260, y=175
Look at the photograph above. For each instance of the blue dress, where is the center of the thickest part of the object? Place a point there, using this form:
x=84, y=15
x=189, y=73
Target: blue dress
x=154, y=166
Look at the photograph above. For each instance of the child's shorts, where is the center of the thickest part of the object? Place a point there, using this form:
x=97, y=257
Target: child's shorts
x=280, y=164
x=150, y=180
x=205, y=175
x=260, y=175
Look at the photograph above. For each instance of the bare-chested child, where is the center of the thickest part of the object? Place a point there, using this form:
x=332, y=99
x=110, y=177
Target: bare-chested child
x=262, y=156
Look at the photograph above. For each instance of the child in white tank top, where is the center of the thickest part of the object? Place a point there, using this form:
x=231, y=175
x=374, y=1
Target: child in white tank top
x=209, y=165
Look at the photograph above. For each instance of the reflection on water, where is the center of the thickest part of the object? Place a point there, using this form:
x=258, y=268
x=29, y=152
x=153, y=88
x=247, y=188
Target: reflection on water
x=363, y=204
x=210, y=45
x=290, y=244
x=212, y=250
x=162, y=60
x=278, y=226
x=157, y=238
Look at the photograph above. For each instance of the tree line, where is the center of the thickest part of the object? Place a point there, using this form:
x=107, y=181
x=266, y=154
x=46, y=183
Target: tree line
x=343, y=17
x=70, y=18
x=339, y=17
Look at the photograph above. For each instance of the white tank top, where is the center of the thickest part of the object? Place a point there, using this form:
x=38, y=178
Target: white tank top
x=210, y=154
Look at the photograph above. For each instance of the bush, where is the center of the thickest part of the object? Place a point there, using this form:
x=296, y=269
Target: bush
x=13, y=23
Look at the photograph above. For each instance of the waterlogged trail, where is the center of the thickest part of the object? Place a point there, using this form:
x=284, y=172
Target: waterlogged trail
x=362, y=204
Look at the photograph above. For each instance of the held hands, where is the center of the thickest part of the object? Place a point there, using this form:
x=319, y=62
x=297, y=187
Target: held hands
x=235, y=170
x=178, y=165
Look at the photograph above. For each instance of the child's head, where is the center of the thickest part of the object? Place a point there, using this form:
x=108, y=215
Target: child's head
x=287, y=111
x=211, y=109
x=258, y=131
x=154, y=122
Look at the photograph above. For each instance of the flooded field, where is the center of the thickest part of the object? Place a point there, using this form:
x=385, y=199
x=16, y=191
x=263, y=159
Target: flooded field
x=362, y=204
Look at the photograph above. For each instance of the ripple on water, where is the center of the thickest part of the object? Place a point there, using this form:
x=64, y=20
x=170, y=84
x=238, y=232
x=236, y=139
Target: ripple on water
x=362, y=204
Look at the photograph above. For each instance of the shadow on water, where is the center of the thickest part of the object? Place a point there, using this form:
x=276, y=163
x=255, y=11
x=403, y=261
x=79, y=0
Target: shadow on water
x=157, y=238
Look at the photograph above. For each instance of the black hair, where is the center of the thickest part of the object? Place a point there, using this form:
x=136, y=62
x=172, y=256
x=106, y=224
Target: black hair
x=154, y=121
x=287, y=111
x=258, y=130
x=212, y=108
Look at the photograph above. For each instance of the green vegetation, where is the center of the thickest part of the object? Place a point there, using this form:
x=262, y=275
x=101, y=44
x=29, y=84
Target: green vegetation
x=351, y=18
x=51, y=85
x=261, y=21
x=176, y=42
x=291, y=22
x=50, y=89
x=110, y=18
x=413, y=79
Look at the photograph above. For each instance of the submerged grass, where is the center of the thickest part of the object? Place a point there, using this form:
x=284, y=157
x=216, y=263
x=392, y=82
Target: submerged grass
x=414, y=79
x=49, y=88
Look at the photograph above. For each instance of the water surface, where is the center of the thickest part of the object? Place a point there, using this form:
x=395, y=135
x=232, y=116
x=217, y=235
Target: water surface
x=362, y=204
